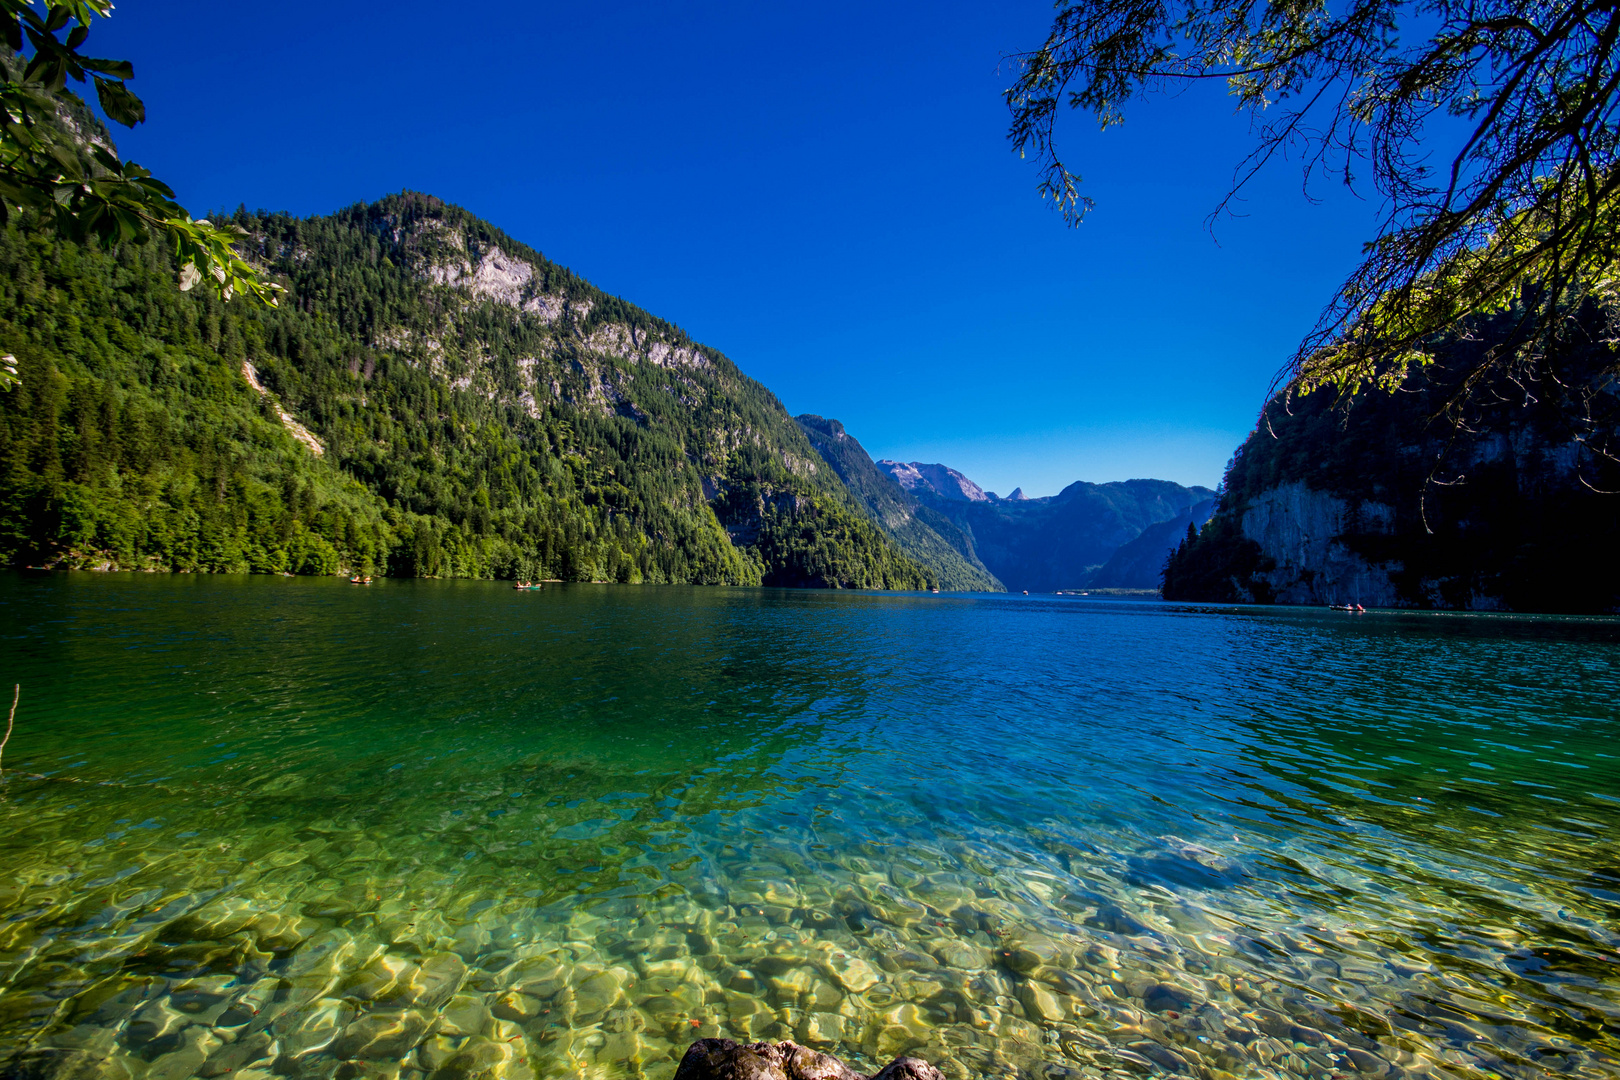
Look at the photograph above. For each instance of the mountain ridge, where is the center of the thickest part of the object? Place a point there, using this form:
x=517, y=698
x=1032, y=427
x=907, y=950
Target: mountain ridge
x=922, y=532
x=481, y=411
x=937, y=481
x=1055, y=541
x=433, y=397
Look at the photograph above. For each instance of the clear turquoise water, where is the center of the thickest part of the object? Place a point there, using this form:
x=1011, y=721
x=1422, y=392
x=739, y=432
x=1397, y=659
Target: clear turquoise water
x=261, y=827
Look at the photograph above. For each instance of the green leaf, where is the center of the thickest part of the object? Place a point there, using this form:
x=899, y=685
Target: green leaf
x=119, y=103
x=43, y=64
x=113, y=69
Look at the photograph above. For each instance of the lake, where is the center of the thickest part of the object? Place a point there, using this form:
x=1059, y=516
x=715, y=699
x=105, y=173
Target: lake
x=261, y=827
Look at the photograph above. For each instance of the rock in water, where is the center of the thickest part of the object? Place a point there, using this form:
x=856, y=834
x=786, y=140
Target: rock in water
x=722, y=1059
x=908, y=1068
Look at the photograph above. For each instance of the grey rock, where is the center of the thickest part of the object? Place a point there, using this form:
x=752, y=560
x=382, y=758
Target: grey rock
x=1114, y=919
x=1162, y=1056
x=1367, y=1063
x=380, y=1036
x=1132, y=1060
x=1162, y=997
x=908, y=1068
x=237, y=1055
x=723, y=1059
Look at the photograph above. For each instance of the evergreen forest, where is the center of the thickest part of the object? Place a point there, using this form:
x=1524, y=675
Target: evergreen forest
x=431, y=398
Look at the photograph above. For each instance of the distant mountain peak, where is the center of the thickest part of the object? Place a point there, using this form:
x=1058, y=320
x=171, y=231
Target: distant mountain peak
x=1056, y=541
x=940, y=481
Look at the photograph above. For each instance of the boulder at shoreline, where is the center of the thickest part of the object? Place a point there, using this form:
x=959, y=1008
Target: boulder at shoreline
x=723, y=1059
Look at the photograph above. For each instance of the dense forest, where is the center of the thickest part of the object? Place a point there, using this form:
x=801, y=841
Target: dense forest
x=432, y=398
x=1508, y=495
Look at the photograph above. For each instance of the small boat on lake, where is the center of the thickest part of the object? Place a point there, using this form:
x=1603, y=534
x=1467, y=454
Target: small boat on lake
x=524, y=586
x=359, y=580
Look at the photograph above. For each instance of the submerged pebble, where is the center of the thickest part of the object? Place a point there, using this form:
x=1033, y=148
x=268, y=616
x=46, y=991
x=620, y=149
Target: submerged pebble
x=589, y=911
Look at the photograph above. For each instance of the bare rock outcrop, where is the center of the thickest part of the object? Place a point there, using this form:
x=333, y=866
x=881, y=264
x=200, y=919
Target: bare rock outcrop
x=723, y=1059
x=299, y=431
x=1302, y=531
x=939, y=481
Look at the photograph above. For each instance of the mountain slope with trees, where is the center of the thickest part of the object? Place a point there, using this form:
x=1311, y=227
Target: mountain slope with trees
x=431, y=397
x=922, y=532
x=1139, y=563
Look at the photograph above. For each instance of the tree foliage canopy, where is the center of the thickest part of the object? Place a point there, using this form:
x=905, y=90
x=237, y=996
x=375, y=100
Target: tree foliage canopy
x=1518, y=214
x=55, y=160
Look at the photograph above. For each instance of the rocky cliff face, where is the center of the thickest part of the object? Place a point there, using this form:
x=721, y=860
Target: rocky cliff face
x=1303, y=533
x=588, y=350
x=1394, y=501
x=933, y=481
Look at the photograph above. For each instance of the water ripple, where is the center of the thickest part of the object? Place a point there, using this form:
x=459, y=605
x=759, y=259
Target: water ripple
x=441, y=829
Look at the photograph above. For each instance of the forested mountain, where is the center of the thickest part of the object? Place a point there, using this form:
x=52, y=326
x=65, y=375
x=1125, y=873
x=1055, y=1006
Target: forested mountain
x=1396, y=501
x=1139, y=563
x=1060, y=541
x=922, y=532
x=431, y=398
x=1056, y=542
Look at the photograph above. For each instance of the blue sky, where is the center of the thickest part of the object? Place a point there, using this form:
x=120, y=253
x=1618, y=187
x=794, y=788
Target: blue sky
x=825, y=193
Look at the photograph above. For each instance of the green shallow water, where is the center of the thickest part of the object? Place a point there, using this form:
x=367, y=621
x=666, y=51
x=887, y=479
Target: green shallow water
x=266, y=827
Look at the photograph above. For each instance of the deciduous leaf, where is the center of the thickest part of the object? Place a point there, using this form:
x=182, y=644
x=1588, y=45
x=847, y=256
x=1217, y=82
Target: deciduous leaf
x=119, y=103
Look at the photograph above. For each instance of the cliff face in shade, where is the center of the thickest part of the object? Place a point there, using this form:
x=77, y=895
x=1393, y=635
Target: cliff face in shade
x=1139, y=563
x=1305, y=534
x=1392, y=503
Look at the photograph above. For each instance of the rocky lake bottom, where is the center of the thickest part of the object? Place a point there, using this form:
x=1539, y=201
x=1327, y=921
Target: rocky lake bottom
x=258, y=828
